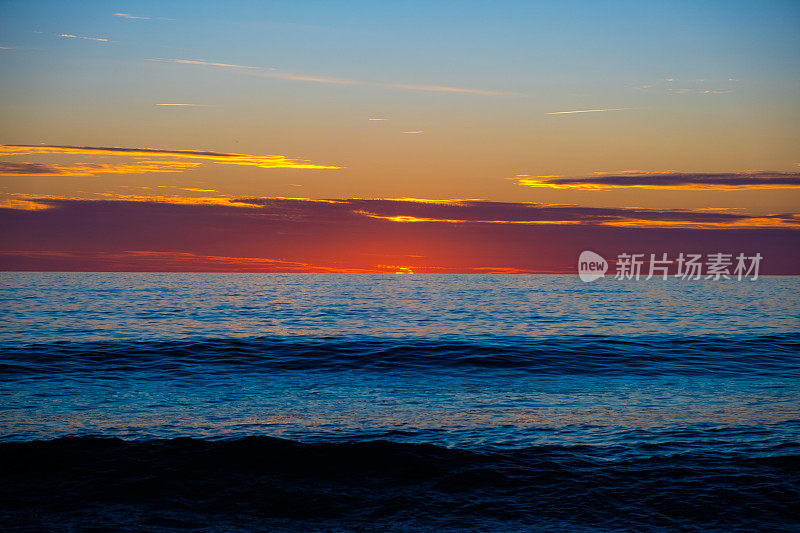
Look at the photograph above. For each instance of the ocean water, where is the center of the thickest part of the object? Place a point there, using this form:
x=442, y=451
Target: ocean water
x=283, y=402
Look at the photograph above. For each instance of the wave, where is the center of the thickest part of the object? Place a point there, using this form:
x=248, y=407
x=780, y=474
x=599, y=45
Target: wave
x=580, y=354
x=263, y=482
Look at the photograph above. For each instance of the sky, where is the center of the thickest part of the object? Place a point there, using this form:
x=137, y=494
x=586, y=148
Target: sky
x=403, y=136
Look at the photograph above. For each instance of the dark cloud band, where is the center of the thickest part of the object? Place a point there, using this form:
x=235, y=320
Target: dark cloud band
x=676, y=180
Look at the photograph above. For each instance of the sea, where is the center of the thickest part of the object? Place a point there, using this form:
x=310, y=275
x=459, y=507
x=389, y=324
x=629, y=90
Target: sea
x=383, y=402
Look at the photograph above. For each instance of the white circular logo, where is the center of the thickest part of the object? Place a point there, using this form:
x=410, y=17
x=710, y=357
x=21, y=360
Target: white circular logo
x=591, y=266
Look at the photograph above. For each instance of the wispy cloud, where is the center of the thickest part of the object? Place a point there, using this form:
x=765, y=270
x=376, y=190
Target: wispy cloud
x=182, y=105
x=91, y=169
x=377, y=119
x=536, y=214
x=414, y=132
x=265, y=161
x=698, y=91
x=312, y=79
x=483, y=212
x=690, y=86
x=70, y=36
x=444, y=89
x=409, y=218
x=666, y=180
x=276, y=74
x=203, y=63
x=129, y=16
x=26, y=201
x=588, y=111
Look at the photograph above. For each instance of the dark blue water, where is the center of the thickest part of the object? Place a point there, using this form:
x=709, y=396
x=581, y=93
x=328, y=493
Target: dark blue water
x=398, y=402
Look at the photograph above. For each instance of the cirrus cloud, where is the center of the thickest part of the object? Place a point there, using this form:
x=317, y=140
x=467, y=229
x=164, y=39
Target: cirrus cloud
x=129, y=16
x=71, y=36
x=276, y=74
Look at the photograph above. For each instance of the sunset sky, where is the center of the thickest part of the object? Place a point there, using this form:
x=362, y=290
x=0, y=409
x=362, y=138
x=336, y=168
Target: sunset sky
x=395, y=136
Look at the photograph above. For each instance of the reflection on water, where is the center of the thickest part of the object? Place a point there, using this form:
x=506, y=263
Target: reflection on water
x=46, y=307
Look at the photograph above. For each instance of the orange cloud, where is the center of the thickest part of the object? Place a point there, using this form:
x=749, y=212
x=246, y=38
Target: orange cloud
x=265, y=161
x=407, y=218
x=747, y=222
x=180, y=200
x=29, y=202
x=22, y=204
x=666, y=180
x=41, y=169
x=535, y=214
x=450, y=201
